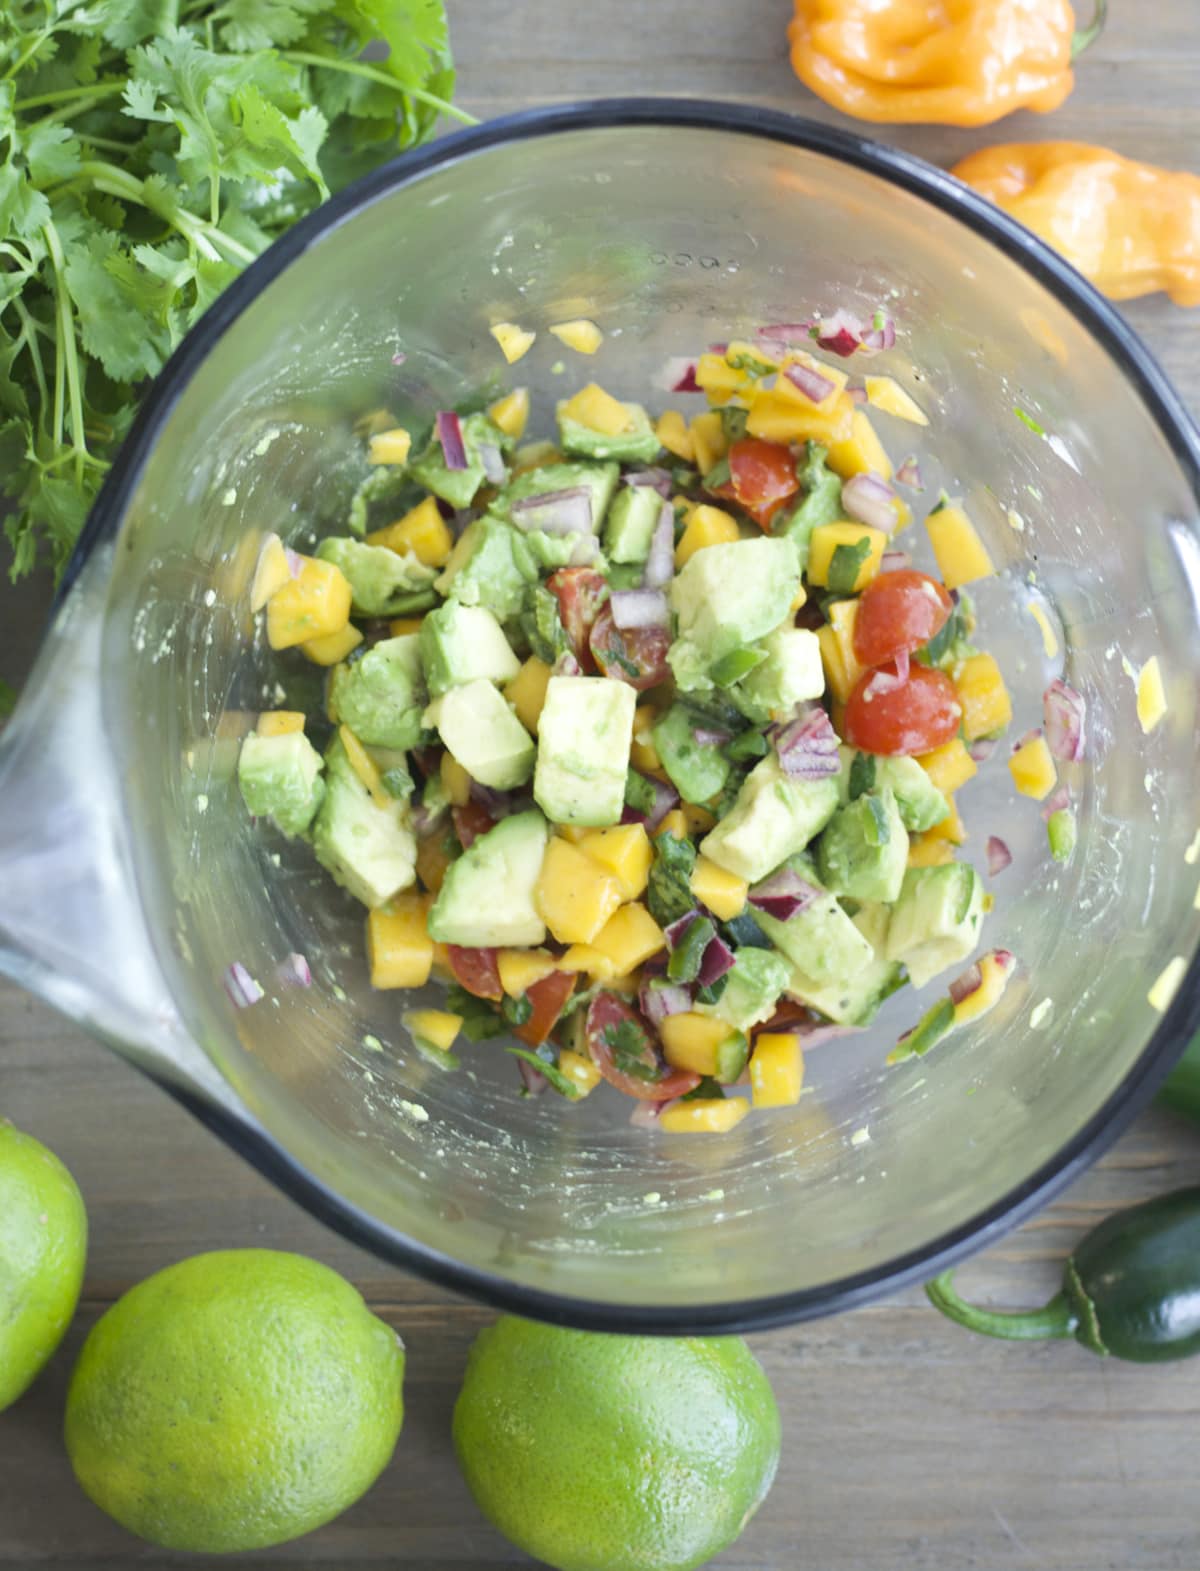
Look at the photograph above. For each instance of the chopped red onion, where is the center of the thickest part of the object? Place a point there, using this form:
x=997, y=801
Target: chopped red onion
x=639, y=608
x=532, y=1079
x=881, y=337
x=399, y=357
x=241, y=987
x=909, y=474
x=857, y=395
x=883, y=682
x=295, y=561
x=659, y=479
x=894, y=561
x=449, y=433
x=294, y=971
x=567, y=665
x=982, y=749
x=709, y=736
x=493, y=463
x=678, y=375
x=665, y=798
x=674, y=931
x=1057, y=802
x=811, y=383
x=717, y=349
x=566, y=512
x=717, y=960
x=783, y=894
x=660, y=559
x=1065, y=715
x=841, y=334
x=808, y=747
x=1030, y=736
x=871, y=501
x=424, y=821
x=902, y=666
x=969, y=982
x=656, y=1003
x=646, y=1115
x=1005, y=959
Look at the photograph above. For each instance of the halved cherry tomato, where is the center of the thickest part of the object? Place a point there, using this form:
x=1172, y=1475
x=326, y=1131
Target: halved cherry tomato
x=762, y=476
x=915, y=717
x=637, y=655
x=476, y=970
x=548, y=997
x=580, y=592
x=471, y=820
x=897, y=612
x=625, y=1052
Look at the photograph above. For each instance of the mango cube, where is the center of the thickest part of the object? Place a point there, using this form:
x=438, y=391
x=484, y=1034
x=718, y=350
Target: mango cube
x=926, y=850
x=723, y=893
x=527, y=692
x=584, y=957
x=390, y=447
x=280, y=722
x=719, y=379
x=788, y=389
x=580, y=1071
x=333, y=648
x=625, y=852
x=630, y=936
x=1151, y=696
x=574, y=895
x=514, y=341
x=401, y=626
x=520, y=968
x=699, y=820
x=399, y=949
x=961, y=555
x=842, y=669
x=438, y=1027
x=1032, y=769
x=271, y=573
x=511, y=413
x=860, y=452
x=887, y=394
x=422, y=531
x=704, y=1117
x=778, y=417
x=673, y=433
x=710, y=443
x=673, y=823
x=643, y=754
x=776, y=1070
x=951, y=827
x=309, y=606
x=986, y=705
x=581, y=335
x=363, y=766
x=690, y=1041
x=824, y=543
x=597, y=410
x=432, y=862
x=987, y=995
x=456, y=782
x=705, y=526
x=949, y=766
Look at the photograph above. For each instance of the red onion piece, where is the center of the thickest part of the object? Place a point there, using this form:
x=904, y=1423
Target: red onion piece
x=718, y=959
x=902, y=663
x=808, y=747
x=399, y=357
x=532, y=1079
x=647, y=1114
x=241, y=987
x=841, y=334
x=982, y=749
x=998, y=855
x=1057, y=802
x=678, y=375
x=449, y=433
x=881, y=337
x=675, y=931
x=969, y=982
x=567, y=665
x=295, y=561
x=665, y=798
x=566, y=512
x=639, y=608
x=656, y=1003
x=811, y=383
x=659, y=479
x=709, y=736
x=909, y=474
x=1030, y=736
x=894, y=561
x=294, y=971
x=493, y=463
x=857, y=395
x=1065, y=714
x=883, y=682
x=871, y=501
x=1005, y=959
x=783, y=894
x=424, y=821
x=660, y=559
x=717, y=349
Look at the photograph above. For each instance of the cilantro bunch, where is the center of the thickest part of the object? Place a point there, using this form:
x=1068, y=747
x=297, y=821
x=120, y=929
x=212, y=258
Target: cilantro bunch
x=150, y=149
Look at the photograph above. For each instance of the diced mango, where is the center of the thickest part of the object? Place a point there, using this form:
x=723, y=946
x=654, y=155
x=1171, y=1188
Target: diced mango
x=514, y=341
x=572, y=832
x=399, y=949
x=776, y=1069
x=624, y=851
x=987, y=995
x=842, y=669
x=951, y=827
x=527, y=692
x=580, y=1071
x=511, y=413
x=279, y=722
x=887, y=394
x=719, y=379
x=271, y=573
x=710, y=441
x=801, y=599
x=309, y=606
x=674, y=435
x=401, y=626
x=699, y=820
x=520, y=968
x=432, y=862
x=705, y=526
x=597, y=410
x=456, y=782
x=333, y=648
x=363, y=766
x=630, y=936
x=926, y=851
x=422, y=531
x=704, y=1117
x=673, y=823
x=690, y=1041
x=986, y=705
x=584, y=957
x=949, y=766
x=1151, y=695
x=533, y=456
x=1049, y=636
x=861, y=452
x=643, y=754
x=785, y=386
x=961, y=555
x=438, y=1027
x=1166, y=984
x=824, y=542
x=574, y=895
x=390, y=447
x=1032, y=769
x=581, y=335
x=723, y=893
x=778, y=417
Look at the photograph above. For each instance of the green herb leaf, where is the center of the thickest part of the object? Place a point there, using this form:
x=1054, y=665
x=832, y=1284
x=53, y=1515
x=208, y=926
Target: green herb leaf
x=549, y=1068
x=668, y=892
x=480, y=1018
x=846, y=565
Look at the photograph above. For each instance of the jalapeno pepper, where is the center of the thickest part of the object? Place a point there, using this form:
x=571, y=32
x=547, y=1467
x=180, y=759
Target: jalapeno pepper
x=1131, y=1289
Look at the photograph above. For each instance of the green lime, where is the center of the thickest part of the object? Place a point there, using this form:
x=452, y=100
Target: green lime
x=615, y=1453
x=43, y=1247
x=234, y=1401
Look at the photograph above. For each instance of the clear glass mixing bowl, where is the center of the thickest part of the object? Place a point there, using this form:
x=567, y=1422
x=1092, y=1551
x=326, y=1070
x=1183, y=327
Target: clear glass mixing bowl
x=131, y=877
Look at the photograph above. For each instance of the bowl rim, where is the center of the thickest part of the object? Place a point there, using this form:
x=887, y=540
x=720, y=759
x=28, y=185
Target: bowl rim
x=903, y=169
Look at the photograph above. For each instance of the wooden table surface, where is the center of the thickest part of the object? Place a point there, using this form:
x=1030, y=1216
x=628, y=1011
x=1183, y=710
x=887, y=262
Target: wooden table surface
x=909, y=1446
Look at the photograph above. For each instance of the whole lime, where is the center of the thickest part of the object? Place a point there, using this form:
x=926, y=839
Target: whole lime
x=615, y=1453
x=43, y=1247
x=234, y=1401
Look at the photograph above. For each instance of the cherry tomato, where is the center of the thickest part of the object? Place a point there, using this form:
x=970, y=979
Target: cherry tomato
x=763, y=476
x=625, y=1052
x=580, y=592
x=637, y=655
x=916, y=717
x=548, y=997
x=476, y=970
x=897, y=612
x=471, y=820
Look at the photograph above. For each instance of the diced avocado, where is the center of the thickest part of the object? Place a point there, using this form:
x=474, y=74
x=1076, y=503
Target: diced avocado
x=380, y=695
x=382, y=582
x=854, y=1000
x=369, y=850
x=773, y=816
x=631, y=522
x=637, y=444
x=460, y=643
x=483, y=569
x=697, y=770
x=482, y=733
x=751, y=990
x=821, y=501
x=280, y=778
x=791, y=673
x=394, y=773
x=936, y=920
x=863, y=850
x=584, y=733
x=599, y=479
x=822, y=941
x=725, y=597
x=551, y=551
x=458, y=486
x=920, y=802
x=486, y=898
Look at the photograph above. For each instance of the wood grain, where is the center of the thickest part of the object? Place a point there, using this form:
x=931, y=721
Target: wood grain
x=909, y=1445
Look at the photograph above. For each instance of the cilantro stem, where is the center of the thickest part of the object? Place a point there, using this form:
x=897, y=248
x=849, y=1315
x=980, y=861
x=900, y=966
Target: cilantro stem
x=67, y=352
x=206, y=237
x=75, y=97
x=356, y=68
x=28, y=336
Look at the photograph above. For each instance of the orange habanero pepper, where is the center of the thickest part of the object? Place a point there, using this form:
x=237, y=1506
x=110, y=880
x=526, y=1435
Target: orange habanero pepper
x=940, y=62
x=1131, y=228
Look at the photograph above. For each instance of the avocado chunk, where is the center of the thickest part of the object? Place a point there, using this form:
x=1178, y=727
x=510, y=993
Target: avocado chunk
x=697, y=770
x=728, y=596
x=599, y=480
x=584, y=733
x=482, y=733
x=854, y=1000
x=863, y=850
x=380, y=695
x=751, y=990
x=937, y=919
x=280, y=779
x=486, y=898
x=920, y=802
x=483, y=569
x=382, y=582
x=637, y=444
x=458, y=486
x=791, y=673
x=772, y=817
x=370, y=850
x=822, y=941
x=821, y=502
x=461, y=643
x=631, y=522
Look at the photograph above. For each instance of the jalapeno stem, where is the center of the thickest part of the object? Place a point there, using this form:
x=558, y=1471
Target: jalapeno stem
x=1055, y=1319
x=1085, y=37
